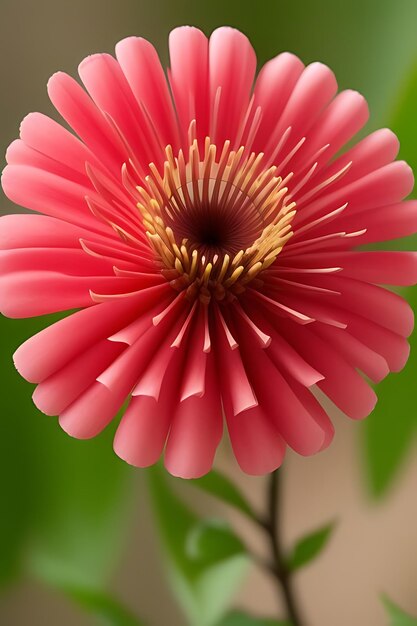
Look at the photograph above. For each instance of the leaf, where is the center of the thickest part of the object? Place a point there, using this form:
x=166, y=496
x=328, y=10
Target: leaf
x=83, y=511
x=241, y=619
x=19, y=467
x=103, y=606
x=210, y=541
x=390, y=432
x=307, y=548
x=218, y=485
x=68, y=501
x=398, y=617
x=203, y=582
x=403, y=119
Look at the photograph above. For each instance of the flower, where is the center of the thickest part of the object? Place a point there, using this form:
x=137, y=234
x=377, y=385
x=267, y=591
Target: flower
x=211, y=234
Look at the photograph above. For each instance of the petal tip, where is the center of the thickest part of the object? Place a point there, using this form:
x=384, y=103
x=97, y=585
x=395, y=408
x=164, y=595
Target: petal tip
x=186, y=471
x=41, y=403
x=56, y=79
x=20, y=362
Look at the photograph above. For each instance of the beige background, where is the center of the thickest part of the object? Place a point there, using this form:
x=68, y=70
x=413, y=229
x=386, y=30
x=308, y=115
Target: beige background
x=374, y=548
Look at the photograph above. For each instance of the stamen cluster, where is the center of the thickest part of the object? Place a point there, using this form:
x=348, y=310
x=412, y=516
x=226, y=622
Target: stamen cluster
x=215, y=221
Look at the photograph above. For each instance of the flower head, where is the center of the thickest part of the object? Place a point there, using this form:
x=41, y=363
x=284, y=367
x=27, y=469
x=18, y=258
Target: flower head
x=210, y=232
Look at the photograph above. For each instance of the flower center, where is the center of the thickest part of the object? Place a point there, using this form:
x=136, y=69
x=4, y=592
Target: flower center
x=215, y=221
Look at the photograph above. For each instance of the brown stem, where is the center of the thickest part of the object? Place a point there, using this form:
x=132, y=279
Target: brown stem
x=273, y=528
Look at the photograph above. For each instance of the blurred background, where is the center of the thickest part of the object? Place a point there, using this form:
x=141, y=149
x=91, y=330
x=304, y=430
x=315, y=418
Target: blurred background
x=78, y=539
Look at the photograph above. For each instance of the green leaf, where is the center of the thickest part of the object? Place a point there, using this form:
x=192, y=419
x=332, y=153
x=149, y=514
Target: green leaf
x=211, y=541
x=20, y=471
x=404, y=120
x=397, y=616
x=68, y=500
x=218, y=485
x=391, y=430
x=203, y=582
x=103, y=606
x=307, y=548
x=83, y=509
x=241, y=619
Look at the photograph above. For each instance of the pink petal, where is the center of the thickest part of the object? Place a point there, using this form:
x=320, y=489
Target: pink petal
x=62, y=260
x=232, y=66
x=394, y=348
x=95, y=408
x=315, y=88
x=75, y=106
x=339, y=122
x=107, y=85
x=48, y=137
x=386, y=223
x=256, y=443
x=50, y=194
x=283, y=355
x=387, y=185
x=134, y=361
x=52, y=348
x=142, y=68
x=91, y=412
x=31, y=293
x=162, y=358
x=196, y=432
x=273, y=87
x=342, y=384
x=30, y=231
x=379, y=267
x=316, y=411
x=188, y=50
x=87, y=416
x=293, y=422
x=355, y=352
x=18, y=153
x=143, y=429
x=194, y=375
x=375, y=303
x=56, y=393
x=234, y=382
x=371, y=153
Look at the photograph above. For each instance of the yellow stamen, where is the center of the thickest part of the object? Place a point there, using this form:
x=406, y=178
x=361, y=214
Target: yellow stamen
x=215, y=221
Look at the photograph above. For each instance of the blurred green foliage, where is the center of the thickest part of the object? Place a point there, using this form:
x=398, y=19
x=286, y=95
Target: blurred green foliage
x=221, y=487
x=403, y=119
x=102, y=606
x=390, y=432
x=309, y=547
x=397, y=616
x=205, y=560
x=68, y=501
x=240, y=619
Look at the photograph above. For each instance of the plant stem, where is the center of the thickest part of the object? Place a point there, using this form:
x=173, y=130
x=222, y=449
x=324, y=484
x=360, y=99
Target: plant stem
x=272, y=526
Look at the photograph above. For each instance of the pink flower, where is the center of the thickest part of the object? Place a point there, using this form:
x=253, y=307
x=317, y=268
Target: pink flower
x=210, y=233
